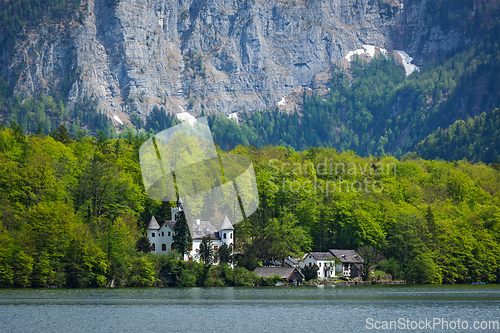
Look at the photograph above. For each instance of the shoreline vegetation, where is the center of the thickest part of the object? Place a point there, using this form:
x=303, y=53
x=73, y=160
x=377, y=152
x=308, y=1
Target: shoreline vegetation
x=73, y=213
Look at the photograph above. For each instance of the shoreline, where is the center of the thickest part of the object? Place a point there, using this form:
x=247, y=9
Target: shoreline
x=349, y=283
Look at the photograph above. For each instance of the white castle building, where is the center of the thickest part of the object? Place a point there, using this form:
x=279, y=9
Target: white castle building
x=160, y=235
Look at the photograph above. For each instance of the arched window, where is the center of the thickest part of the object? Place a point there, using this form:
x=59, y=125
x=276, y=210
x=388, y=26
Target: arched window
x=224, y=235
x=172, y=246
x=231, y=235
x=164, y=247
x=153, y=248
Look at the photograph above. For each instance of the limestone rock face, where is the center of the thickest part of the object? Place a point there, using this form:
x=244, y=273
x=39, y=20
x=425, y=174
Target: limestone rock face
x=216, y=55
x=419, y=39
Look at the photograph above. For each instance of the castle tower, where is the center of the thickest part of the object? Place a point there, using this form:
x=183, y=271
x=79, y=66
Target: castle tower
x=226, y=232
x=177, y=209
x=152, y=231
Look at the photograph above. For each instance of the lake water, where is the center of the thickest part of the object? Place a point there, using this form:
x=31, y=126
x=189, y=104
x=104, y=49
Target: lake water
x=255, y=309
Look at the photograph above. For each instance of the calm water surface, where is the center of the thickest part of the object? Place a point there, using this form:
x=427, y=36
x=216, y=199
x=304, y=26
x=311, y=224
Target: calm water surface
x=256, y=309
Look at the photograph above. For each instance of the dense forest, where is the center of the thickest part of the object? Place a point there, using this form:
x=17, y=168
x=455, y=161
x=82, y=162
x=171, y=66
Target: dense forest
x=73, y=213
x=476, y=139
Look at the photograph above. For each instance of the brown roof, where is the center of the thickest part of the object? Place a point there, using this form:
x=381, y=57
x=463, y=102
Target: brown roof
x=283, y=272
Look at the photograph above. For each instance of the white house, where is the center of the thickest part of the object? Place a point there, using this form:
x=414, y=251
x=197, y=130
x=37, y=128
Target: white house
x=160, y=235
x=345, y=262
x=325, y=262
x=352, y=263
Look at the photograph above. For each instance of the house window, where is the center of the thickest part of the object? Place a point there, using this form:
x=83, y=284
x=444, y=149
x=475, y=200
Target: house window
x=215, y=260
x=191, y=247
x=224, y=235
x=152, y=234
x=172, y=246
x=216, y=247
x=162, y=234
x=231, y=235
x=319, y=264
x=164, y=247
x=169, y=234
x=231, y=245
x=190, y=259
x=310, y=264
x=153, y=247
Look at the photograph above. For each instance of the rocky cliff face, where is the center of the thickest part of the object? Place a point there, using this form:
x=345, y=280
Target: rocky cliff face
x=417, y=37
x=216, y=55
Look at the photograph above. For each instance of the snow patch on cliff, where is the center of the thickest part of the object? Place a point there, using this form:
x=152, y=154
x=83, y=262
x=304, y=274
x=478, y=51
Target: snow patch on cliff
x=369, y=51
x=406, y=60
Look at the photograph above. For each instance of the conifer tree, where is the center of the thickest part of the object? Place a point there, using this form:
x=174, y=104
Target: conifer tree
x=206, y=251
x=182, y=238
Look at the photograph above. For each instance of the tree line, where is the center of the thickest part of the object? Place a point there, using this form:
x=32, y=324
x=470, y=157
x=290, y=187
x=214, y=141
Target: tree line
x=475, y=139
x=73, y=212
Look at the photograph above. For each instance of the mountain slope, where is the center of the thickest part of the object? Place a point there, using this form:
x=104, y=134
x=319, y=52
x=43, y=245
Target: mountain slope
x=476, y=139
x=217, y=55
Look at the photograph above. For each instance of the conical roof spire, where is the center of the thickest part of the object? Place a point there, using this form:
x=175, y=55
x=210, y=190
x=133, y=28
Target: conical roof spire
x=153, y=224
x=226, y=224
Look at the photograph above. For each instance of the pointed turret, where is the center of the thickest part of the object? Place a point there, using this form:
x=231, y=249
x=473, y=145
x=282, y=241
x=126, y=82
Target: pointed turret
x=226, y=224
x=226, y=232
x=153, y=224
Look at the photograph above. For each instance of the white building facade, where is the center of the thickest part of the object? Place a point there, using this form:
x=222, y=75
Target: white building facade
x=161, y=235
x=347, y=263
x=325, y=262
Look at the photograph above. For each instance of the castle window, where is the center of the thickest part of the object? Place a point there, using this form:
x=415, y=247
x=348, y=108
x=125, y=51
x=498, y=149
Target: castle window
x=169, y=234
x=162, y=234
x=164, y=247
x=231, y=235
x=216, y=247
x=153, y=247
x=172, y=246
x=224, y=235
x=152, y=234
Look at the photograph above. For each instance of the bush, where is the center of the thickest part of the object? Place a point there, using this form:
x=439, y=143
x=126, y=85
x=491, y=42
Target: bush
x=310, y=272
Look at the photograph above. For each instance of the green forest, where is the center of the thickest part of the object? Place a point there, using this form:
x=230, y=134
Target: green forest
x=476, y=139
x=73, y=213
